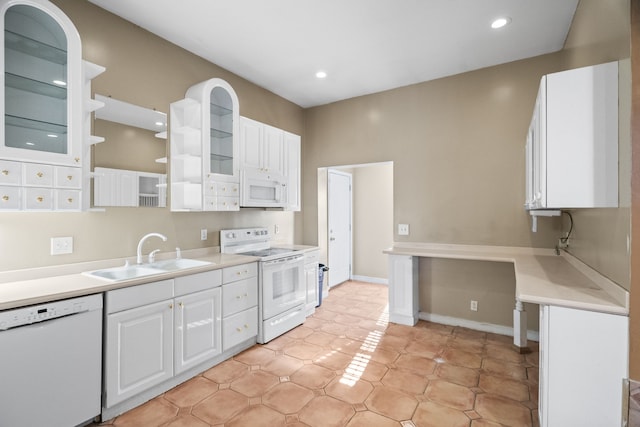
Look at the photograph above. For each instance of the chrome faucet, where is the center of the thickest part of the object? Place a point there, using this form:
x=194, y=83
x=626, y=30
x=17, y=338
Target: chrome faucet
x=141, y=242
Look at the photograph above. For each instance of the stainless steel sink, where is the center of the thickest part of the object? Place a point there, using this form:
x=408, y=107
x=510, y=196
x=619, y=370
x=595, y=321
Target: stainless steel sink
x=134, y=271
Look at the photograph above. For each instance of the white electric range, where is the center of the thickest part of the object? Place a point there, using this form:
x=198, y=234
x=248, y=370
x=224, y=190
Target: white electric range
x=281, y=285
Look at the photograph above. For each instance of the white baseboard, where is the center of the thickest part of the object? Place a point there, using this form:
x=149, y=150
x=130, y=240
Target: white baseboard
x=478, y=326
x=377, y=280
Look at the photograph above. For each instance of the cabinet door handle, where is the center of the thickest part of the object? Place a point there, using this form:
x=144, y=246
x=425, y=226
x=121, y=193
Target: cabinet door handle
x=39, y=174
x=171, y=306
x=69, y=177
x=237, y=296
x=5, y=198
x=70, y=200
x=5, y=172
x=181, y=305
x=239, y=329
x=40, y=199
x=246, y=326
x=77, y=159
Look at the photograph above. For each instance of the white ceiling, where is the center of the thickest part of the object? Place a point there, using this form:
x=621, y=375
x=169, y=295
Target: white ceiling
x=365, y=46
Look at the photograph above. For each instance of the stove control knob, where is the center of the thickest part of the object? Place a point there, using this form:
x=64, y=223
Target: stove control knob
x=231, y=235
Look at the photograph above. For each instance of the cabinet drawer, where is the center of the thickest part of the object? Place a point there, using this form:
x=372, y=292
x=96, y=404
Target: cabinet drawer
x=38, y=175
x=240, y=295
x=38, y=198
x=228, y=189
x=10, y=173
x=197, y=282
x=239, y=272
x=228, y=203
x=10, y=197
x=239, y=327
x=136, y=296
x=67, y=200
x=67, y=177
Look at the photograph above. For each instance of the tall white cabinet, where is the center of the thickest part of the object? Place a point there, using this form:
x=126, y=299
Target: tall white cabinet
x=204, y=149
x=572, y=143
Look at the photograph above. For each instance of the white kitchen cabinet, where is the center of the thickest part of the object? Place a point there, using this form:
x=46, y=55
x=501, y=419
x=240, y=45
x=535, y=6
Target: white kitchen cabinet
x=572, y=143
x=583, y=361
x=311, y=259
x=120, y=187
x=197, y=328
x=39, y=187
x=139, y=339
x=204, y=148
x=292, y=147
x=239, y=304
x=44, y=105
x=270, y=154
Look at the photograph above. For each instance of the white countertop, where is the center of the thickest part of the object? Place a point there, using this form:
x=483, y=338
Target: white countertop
x=20, y=288
x=542, y=277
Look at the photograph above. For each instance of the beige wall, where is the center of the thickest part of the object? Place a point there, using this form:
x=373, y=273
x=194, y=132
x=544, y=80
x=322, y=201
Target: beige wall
x=372, y=219
x=145, y=70
x=457, y=145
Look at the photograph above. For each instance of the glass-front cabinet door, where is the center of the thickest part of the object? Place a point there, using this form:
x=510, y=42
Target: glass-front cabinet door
x=221, y=156
x=42, y=104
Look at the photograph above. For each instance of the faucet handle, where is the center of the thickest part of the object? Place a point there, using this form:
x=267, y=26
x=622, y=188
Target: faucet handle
x=152, y=255
x=178, y=253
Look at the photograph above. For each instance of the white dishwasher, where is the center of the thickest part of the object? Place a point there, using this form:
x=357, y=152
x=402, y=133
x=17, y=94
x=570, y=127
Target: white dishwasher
x=50, y=363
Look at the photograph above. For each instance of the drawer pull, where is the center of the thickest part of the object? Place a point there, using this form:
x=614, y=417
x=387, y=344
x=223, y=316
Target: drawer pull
x=5, y=198
x=246, y=326
x=5, y=172
x=70, y=200
x=40, y=199
x=239, y=329
x=238, y=297
x=77, y=159
x=171, y=306
x=181, y=305
x=69, y=177
x=39, y=174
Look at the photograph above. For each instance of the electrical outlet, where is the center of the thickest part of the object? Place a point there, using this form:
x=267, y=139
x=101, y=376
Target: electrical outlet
x=276, y=229
x=403, y=229
x=61, y=245
x=203, y=234
x=474, y=305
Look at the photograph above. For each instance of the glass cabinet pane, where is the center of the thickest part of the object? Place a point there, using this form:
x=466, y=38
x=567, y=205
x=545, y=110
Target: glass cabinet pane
x=221, y=134
x=35, y=80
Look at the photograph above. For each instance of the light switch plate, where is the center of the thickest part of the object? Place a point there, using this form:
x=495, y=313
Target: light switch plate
x=203, y=234
x=61, y=245
x=403, y=229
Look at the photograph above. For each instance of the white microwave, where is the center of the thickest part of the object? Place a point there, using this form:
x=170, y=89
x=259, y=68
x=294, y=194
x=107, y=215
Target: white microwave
x=259, y=189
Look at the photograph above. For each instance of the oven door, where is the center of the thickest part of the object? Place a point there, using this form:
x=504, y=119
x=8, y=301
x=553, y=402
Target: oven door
x=261, y=190
x=283, y=285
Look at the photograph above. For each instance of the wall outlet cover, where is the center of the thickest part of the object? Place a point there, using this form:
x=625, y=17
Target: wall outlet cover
x=403, y=229
x=61, y=245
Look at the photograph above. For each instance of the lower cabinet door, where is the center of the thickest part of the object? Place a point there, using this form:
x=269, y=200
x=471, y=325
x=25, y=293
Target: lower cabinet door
x=239, y=327
x=139, y=350
x=197, y=328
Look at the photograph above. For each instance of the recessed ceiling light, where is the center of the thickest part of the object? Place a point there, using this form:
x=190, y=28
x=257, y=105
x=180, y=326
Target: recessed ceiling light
x=500, y=22
x=321, y=74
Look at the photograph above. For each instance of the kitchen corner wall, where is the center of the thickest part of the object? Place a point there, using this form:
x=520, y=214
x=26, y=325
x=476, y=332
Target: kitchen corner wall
x=457, y=145
x=145, y=70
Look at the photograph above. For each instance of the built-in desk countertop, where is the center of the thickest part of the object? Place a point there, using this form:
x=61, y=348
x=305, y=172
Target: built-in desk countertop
x=542, y=277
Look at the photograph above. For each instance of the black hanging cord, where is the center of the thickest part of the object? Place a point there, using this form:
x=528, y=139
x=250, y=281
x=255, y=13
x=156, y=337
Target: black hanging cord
x=564, y=239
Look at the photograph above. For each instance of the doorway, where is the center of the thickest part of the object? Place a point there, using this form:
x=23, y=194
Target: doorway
x=372, y=220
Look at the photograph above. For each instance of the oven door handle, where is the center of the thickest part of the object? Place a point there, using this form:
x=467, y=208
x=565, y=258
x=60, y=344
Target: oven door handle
x=285, y=261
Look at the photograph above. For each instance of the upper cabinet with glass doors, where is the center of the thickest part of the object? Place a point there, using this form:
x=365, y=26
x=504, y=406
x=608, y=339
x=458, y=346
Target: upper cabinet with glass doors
x=204, y=148
x=42, y=81
x=43, y=160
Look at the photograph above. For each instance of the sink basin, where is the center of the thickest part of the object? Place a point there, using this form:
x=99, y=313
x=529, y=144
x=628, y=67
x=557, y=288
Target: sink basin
x=178, y=264
x=135, y=271
x=124, y=273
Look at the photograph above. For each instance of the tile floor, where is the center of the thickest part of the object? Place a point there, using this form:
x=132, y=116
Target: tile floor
x=346, y=366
